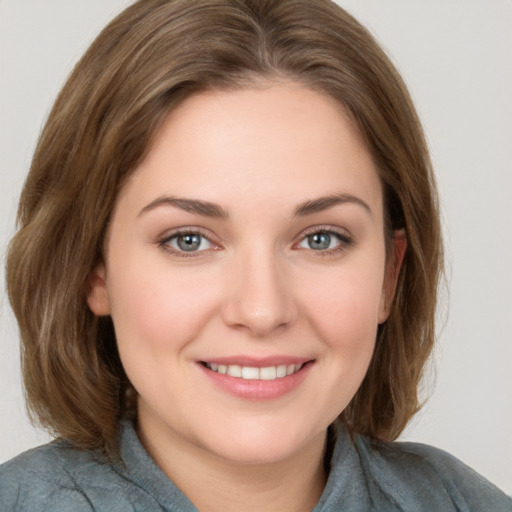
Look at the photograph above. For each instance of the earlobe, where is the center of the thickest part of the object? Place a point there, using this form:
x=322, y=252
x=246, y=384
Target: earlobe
x=392, y=272
x=97, y=293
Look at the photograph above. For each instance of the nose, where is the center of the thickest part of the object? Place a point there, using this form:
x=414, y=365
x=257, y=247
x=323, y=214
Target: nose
x=260, y=299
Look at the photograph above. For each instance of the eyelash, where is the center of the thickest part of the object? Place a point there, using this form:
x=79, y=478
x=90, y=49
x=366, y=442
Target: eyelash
x=163, y=243
x=345, y=241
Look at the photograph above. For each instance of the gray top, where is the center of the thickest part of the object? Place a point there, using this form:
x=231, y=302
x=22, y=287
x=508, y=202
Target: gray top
x=365, y=476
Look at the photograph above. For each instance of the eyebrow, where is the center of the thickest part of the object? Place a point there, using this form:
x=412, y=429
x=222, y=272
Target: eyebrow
x=324, y=203
x=207, y=209
x=196, y=206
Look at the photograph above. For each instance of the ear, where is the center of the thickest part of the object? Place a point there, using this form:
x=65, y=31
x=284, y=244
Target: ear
x=393, y=267
x=97, y=293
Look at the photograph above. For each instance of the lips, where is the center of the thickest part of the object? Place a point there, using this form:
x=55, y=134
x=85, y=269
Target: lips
x=257, y=379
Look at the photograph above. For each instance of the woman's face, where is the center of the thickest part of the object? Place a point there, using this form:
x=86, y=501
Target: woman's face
x=245, y=272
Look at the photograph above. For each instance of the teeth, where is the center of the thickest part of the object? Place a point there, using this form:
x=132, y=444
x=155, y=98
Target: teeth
x=234, y=370
x=252, y=373
x=281, y=371
x=268, y=373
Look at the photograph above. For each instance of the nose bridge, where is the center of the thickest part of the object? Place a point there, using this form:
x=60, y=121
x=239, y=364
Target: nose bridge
x=260, y=297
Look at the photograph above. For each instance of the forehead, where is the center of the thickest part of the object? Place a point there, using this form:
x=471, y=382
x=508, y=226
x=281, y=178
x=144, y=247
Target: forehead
x=272, y=142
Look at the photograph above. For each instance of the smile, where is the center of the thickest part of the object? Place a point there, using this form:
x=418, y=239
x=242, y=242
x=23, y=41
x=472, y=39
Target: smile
x=254, y=373
x=260, y=379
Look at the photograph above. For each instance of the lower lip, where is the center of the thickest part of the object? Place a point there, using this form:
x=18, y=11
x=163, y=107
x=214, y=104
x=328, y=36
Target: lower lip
x=249, y=389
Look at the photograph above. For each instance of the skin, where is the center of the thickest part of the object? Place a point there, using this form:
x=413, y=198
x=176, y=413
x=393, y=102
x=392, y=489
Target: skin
x=255, y=287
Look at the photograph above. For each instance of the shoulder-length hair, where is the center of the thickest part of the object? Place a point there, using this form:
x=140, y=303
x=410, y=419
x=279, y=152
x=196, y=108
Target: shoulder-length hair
x=146, y=61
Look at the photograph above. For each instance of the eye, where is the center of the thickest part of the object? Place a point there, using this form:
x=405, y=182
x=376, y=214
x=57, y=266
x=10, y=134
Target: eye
x=187, y=242
x=324, y=240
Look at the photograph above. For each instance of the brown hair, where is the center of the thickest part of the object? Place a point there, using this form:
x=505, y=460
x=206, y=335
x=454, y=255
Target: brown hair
x=147, y=60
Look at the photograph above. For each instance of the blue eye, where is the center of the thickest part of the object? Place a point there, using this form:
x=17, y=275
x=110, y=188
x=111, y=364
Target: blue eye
x=188, y=242
x=323, y=241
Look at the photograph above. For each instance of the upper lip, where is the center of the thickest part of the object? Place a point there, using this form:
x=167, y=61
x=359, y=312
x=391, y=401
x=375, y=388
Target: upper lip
x=257, y=362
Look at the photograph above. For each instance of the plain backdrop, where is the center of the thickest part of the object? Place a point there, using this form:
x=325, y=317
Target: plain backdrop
x=456, y=57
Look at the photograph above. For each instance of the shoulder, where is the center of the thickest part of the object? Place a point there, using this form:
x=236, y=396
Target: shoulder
x=56, y=477
x=38, y=477
x=431, y=474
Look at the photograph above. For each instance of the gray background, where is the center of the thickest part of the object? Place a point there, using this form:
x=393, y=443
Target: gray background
x=455, y=56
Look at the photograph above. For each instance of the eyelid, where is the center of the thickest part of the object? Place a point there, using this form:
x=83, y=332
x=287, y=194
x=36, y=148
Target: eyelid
x=163, y=240
x=345, y=238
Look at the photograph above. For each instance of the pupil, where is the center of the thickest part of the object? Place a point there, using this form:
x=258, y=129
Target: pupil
x=189, y=242
x=319, y=241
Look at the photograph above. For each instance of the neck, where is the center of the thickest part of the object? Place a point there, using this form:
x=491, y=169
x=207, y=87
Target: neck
x=214, y=484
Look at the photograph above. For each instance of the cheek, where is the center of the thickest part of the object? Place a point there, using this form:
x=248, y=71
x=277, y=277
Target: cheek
x=154, y=307
x=156, y=314
x=344, y=306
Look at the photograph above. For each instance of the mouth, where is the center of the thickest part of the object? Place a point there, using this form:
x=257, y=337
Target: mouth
x=257, y=380
x=255, y=373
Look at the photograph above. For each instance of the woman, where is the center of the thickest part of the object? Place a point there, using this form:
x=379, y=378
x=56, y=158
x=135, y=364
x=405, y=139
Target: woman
x=226, y=271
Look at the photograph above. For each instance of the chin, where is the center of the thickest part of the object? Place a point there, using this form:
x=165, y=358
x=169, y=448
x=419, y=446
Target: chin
x=257, y=446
